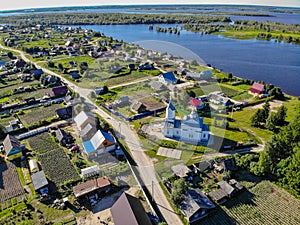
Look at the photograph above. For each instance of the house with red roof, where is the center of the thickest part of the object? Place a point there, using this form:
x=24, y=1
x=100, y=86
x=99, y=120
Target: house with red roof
x=257, y=89
x=58, y=91
x=196, y=103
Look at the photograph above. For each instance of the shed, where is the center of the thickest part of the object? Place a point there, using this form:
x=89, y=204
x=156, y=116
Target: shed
x=181, y=170
x=90, y=171
x=100, y=184
x=40, y=182
x=33, y=166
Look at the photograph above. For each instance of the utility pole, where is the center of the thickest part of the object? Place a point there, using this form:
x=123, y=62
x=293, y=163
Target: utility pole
x=152, y=191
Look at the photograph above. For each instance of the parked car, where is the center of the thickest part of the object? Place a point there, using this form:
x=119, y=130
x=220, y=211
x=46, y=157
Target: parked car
x=74, y=148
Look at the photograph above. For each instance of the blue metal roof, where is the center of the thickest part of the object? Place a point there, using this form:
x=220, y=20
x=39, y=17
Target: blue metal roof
x=108, y=137
x=169, y=77
x=88, y=146
x=171, y=106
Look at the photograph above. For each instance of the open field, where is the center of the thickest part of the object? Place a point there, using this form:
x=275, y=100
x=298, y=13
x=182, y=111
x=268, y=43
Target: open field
x=262, y=203
x=35, y=115
x=54, y=160
x=10, y=185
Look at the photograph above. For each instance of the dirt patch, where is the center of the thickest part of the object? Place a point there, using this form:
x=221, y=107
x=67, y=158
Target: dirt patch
x=101, y=212
x=274, y=104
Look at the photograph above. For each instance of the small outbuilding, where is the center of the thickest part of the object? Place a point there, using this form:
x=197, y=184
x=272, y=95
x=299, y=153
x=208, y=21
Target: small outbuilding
x=40, y=182
x=33, y=166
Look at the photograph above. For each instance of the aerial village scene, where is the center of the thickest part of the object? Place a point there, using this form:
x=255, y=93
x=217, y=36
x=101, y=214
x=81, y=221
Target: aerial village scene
x=98, y=130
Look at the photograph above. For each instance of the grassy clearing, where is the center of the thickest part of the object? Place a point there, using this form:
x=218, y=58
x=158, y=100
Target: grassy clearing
x=242, y=119
x=250, y=34
x=293, y=108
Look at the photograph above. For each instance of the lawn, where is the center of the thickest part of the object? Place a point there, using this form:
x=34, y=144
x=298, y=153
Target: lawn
x=242, y=119
x=293, y=108
x=211, y=87
x=262, y=203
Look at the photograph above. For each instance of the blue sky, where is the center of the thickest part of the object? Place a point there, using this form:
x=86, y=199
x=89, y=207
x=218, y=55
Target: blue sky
x=20, y=4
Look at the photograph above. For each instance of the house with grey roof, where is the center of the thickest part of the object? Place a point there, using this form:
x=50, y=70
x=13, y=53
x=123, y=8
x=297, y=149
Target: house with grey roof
x=196, y=205
x=87, y=132
x=40, y=182
x=84, y=118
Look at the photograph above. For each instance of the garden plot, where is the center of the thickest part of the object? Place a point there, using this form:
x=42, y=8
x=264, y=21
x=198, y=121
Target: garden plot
x=112, y=73
x=35, y=115
x=53, y=159
x=10, y=185
x=262, y=203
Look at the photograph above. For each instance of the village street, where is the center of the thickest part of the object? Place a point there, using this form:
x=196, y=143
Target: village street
x=144, y=164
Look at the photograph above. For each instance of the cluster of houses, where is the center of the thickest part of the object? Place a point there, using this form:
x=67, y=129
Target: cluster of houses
x=197, y=204
x=95, y=141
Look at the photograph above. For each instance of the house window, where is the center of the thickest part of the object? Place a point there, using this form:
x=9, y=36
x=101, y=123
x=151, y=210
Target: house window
x=204, y=135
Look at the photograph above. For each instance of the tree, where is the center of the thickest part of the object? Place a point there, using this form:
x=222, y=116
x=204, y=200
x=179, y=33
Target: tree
x=93, y=95
x=281, y=115
x=293, y=172
x=194, y=62
x=266, y=110
x=105, y=89
x=178, y=191
x=10, y=55
x=60, y=67
x=258, y=118
x=50, y=64
x=271, y=121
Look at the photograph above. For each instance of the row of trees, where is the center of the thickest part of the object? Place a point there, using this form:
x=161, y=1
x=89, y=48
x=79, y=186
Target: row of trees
x=107, y=18
x=280, y=160
x=270, y=120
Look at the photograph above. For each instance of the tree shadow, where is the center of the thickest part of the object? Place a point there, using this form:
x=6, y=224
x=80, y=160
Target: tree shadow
x=3, y=167
x=214, y=218
x=244, y=197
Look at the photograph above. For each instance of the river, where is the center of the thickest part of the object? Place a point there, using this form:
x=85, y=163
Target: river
x=276, y=63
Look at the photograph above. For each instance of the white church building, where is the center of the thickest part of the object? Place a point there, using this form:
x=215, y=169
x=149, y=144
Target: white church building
x=191, y=129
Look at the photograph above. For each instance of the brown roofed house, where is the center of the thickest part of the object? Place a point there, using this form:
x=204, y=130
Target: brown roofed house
x=100, y=184
x=128, y=210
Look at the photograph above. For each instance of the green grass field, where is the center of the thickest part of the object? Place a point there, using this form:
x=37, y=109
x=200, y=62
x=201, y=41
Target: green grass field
x=250, y=34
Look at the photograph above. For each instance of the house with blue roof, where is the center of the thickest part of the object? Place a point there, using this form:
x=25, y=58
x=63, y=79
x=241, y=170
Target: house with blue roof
x=167, y=78
x=190, y=130
x=100, y=143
